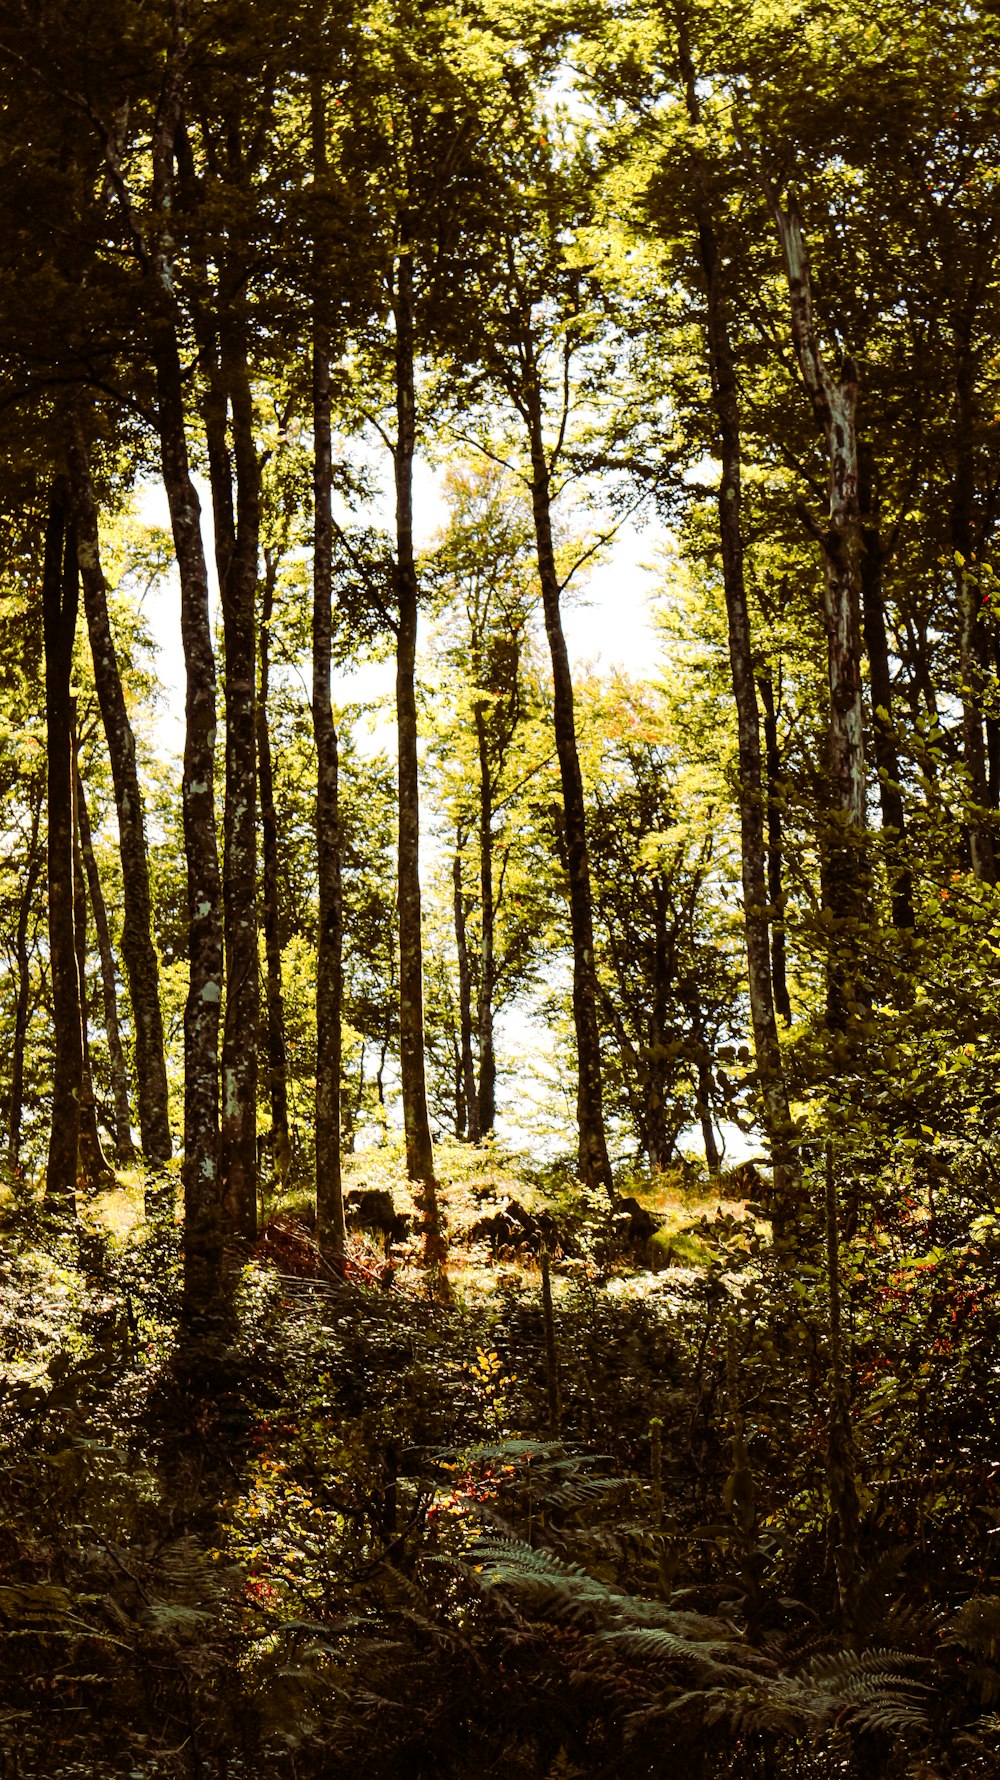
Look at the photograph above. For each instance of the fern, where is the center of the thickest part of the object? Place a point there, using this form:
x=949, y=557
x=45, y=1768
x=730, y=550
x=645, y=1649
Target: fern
x=707, y=1660
x=976, y=1626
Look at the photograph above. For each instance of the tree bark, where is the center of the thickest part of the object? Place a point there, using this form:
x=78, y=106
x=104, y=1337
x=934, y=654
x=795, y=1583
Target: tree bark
x=238, y=1135
x=23, y=995
x=466, y=1062
x=775, y=892
x=770, y=1071
x=419, y=1151
x=124, y=1149
x=203, y=1254
x=880, y=687
x=834, y=404
x=202, y=1210
x=330, y=1226
x=713, y=1159
x=487, y=1095
x=60, y=593
x=95, y=1168
x=138, y=950
x=277, y=1064
x=656, y=1141
x=971, y=641
x=595, y=1166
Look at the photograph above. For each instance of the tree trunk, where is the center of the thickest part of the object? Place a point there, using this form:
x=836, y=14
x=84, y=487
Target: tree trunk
x=95, y=1168
x=466, y=1063
x=712, y=1157
x=656, y=1142
x=775, y=894
x=880, y=686
x=277, y=1066
x=487, y=1097
x=770, y=1073
x=330, y=1227
x=972, y=642
x=202, y=1210
x=138, y=950
x=595, y=1167
x=834, y=405
x=238, y=1136
x=124, y=1151
x=60, y=593
x=23, y=995
x=419, y=1152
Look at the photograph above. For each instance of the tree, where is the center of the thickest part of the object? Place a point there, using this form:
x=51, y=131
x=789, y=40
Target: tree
x=483, y=573
x=527, y=328
x=60, y=593
x=330, y=1227
x=667, y=976
x=138, y=950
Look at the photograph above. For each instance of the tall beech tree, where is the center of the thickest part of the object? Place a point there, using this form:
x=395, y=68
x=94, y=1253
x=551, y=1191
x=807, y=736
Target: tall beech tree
x=138, y=949
x=117, y=1067
x=60, y=598
x=834, y=401
x=412, y=156
x=757, y=909
x=528, y=327
x=22, y=948
x=483, y=568
x=94, y=1167
x=330, y=1226
x=238, y=597
x=202, y=1207
x=224, y=155
x=274, y=1030
x=419, y=1152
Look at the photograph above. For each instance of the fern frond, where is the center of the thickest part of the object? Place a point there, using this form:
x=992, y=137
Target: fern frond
x=710, y=1660
x=976, y=1626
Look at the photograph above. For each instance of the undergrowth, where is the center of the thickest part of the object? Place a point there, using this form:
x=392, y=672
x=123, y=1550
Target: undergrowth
x=378, y=1536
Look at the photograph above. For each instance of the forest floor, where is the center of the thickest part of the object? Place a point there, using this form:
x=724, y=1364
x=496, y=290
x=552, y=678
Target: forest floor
x=415, y=1524
x=496, y=1212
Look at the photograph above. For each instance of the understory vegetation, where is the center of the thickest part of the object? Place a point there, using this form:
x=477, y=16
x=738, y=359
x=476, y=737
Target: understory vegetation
x=425, y=1528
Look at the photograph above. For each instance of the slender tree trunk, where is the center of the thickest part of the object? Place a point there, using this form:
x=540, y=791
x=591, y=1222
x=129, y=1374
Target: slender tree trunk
x=94, y=1165
x=419, y=1152
x=238, y=1137
x=277, y=1066
x=656, y=1144
x=202, y=1209
x=466, y=1063
x=124, y=1151
x=775, y=892
x=595, y=1167
x=835, y=405
x=972, y=643
x=60, y=593
x=487, y=1097
x=330, y=1228
x=23, y=995
x=880, y=687
x=712, y=1157
x=458, y=1079
x=770, y=1071
x=841, y=1458
x=138, y=950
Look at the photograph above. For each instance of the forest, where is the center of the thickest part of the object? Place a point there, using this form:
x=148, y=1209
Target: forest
x=499, y=1183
